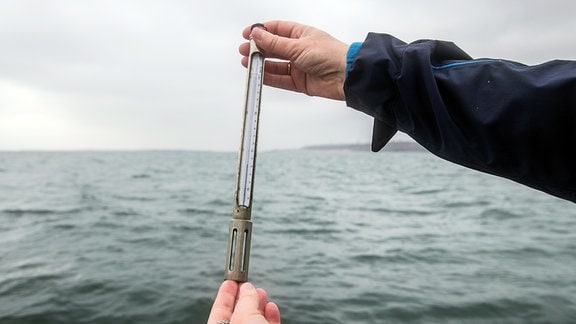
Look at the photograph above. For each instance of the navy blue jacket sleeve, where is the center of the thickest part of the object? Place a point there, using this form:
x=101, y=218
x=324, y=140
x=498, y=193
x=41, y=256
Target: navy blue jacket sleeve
x=495, y=116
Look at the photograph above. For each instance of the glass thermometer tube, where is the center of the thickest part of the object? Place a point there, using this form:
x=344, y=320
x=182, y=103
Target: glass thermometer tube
x=240, y=231
x=247, y=162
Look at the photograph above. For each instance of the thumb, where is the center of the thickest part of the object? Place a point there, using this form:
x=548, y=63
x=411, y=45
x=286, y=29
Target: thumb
x=274, y=46
x=248, y=298
x=248, y=306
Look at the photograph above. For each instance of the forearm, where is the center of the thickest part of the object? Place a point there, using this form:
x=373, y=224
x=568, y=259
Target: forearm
x=499, y=117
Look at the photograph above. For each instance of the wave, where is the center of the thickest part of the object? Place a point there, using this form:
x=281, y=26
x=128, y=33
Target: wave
x=38, y=211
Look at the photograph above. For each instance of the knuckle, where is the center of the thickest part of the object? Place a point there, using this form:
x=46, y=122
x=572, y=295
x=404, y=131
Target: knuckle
x=274, y=42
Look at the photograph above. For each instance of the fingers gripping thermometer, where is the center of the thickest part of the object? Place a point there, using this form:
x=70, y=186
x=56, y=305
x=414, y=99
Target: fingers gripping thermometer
x=240, y=232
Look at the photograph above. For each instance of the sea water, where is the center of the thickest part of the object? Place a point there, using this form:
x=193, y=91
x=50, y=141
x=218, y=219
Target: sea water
x=339, y=237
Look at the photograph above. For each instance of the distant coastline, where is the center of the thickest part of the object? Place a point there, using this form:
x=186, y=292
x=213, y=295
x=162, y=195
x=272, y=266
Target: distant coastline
x=365, y=147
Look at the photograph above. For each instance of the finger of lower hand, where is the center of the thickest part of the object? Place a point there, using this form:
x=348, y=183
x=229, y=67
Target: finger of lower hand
x=224, y=303
x=263, y=296
x=272, y=313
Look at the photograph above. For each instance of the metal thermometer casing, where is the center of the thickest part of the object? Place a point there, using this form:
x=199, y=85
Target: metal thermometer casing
x=240, y=230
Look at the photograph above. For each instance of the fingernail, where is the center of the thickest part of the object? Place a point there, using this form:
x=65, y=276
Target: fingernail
x=247, y=288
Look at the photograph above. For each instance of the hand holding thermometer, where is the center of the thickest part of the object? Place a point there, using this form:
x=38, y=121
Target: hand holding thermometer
x=240, y=233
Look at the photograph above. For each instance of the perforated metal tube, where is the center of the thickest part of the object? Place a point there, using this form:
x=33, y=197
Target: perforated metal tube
x=238, y=255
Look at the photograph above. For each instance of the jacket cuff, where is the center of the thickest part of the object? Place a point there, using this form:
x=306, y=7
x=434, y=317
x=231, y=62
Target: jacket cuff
x=351, y=55
x=369, y=85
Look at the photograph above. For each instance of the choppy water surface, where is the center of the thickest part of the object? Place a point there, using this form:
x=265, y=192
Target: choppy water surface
x=339, y=237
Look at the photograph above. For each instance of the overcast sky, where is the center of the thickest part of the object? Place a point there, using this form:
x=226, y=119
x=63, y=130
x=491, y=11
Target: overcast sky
x=143, y=74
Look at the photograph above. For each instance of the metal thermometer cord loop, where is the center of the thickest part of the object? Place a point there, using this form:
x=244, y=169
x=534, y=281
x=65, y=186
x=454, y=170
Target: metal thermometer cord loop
x=240, y=230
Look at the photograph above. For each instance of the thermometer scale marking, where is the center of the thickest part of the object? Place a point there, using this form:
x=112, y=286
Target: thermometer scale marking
x=250, y=135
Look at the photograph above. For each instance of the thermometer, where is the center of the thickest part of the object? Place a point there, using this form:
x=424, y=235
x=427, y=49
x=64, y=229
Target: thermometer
x=240, y=231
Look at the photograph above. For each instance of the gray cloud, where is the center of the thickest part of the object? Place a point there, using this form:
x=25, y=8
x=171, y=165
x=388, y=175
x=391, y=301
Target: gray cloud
x=151, y=74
